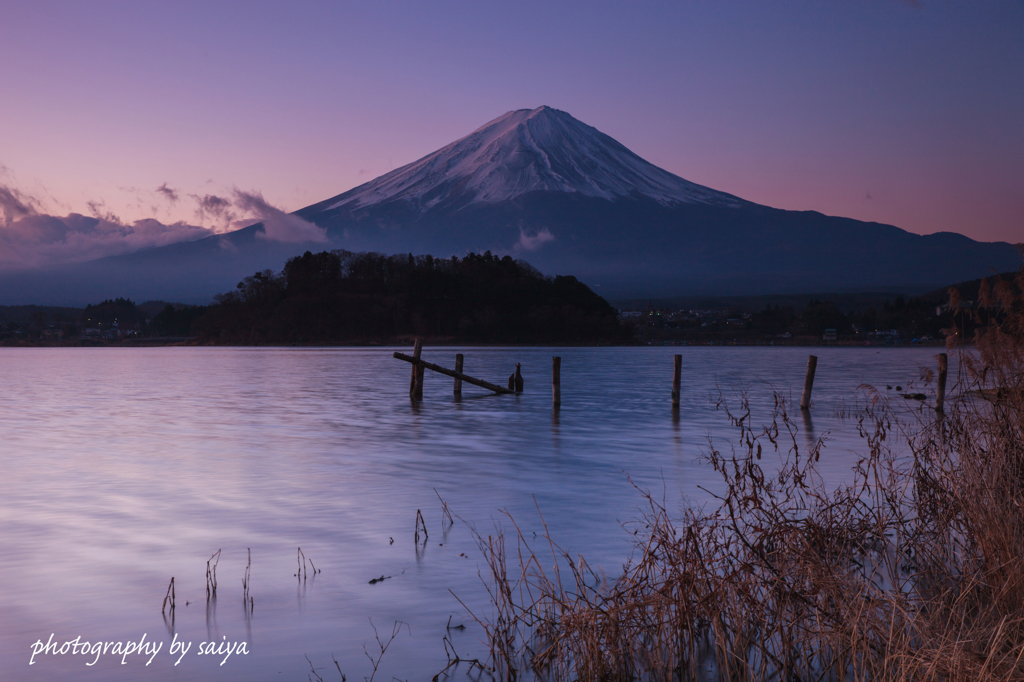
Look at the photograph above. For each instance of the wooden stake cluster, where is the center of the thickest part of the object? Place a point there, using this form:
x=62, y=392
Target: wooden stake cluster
x=422, y=364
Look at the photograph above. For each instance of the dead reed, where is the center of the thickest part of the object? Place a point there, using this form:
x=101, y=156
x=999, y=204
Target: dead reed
x=912, y=570
x=211, y=575
x=421, y=525
x=446, y=516
x=300, y=558
x=168, y=598
x=248, y=603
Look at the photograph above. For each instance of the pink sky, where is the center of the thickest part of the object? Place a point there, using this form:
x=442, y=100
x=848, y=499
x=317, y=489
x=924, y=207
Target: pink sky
x=898, y=112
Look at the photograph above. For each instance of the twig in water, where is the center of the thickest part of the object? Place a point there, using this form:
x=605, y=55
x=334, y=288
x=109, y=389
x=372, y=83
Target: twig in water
x=454, y=659
x=169, y=597
x=420, y=523
x=312, y=671
x=445, y=514
x=247, y=600
x=211, y=574
x=382, y=645
x=301, y=559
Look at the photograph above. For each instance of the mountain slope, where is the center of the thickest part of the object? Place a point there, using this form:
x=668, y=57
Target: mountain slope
x=540, y=185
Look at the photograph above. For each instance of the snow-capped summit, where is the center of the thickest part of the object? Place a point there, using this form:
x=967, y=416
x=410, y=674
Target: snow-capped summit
x=523, y=151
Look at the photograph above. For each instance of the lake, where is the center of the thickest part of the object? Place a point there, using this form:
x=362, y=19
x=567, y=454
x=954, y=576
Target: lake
x=123, y=467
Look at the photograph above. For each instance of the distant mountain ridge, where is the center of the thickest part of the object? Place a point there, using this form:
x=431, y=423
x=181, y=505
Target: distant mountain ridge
x=542, y=186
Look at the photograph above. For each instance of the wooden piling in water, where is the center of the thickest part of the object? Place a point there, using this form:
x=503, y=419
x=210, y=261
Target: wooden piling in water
x=458, y=368
x=416, y=383
x=677, y=375
x=556, y=380
x=447, y=372
x=805, y=399
x=940, y=394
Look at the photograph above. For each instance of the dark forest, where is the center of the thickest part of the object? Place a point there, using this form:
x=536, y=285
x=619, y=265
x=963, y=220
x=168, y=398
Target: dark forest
x=343, y=297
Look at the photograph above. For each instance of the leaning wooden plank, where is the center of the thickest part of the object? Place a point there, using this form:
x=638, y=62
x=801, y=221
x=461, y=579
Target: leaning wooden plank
x=452, y=373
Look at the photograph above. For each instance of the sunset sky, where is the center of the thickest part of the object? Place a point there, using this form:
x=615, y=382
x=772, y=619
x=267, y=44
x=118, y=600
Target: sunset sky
x=909, y=113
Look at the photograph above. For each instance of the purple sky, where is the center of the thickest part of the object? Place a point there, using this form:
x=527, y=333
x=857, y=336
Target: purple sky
x=901, y=112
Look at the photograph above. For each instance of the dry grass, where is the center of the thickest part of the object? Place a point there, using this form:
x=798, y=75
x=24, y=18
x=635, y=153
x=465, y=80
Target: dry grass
x=914, y=570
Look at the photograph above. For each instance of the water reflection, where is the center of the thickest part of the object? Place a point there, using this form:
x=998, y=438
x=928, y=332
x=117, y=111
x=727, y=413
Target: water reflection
x=809, y=438
x=212, y=631
x=172, y=452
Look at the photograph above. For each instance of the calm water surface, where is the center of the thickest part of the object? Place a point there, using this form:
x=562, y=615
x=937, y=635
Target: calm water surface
x=123, y=467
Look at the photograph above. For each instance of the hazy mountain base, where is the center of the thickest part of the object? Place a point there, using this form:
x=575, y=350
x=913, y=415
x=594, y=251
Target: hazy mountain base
x=638, y=248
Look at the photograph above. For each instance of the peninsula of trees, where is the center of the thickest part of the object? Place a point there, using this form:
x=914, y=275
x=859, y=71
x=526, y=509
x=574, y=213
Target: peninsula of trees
x=340, y=297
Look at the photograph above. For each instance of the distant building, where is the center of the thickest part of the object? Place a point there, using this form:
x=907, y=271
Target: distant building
x=829, y=335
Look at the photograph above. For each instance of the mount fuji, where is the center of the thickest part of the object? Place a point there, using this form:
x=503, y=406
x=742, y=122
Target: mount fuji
x=542, y=186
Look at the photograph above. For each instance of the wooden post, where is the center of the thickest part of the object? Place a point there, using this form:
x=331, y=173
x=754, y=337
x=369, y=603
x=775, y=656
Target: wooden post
x=556, y=380
x=447, y=372
x=458, y=368
x=805, y=399
x=416, y=383
x=940, y=395
x=677, y=375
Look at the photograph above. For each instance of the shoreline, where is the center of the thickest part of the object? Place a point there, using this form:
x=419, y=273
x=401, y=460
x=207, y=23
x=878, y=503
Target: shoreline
x=152, y=342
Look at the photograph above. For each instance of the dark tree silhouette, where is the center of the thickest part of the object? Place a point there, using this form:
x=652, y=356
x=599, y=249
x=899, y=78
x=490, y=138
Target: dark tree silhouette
x=344, y=297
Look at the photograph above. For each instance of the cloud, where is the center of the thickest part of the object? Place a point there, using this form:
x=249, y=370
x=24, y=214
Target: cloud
x=214, y=207
x=14, y=204
x=32, y=238
x=171, y=194
x=278, y=225
x=533, y=242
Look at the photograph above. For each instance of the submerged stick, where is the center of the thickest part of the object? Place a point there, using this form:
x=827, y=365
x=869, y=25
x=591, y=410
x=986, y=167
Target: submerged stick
x=246, y=599
x=445, y=514
x=940, y=394
x=420, y=523
x=168, y=598
x=211, y=575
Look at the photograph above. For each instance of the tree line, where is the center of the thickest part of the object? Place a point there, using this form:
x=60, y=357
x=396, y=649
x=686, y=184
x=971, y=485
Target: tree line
x=337, y=297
